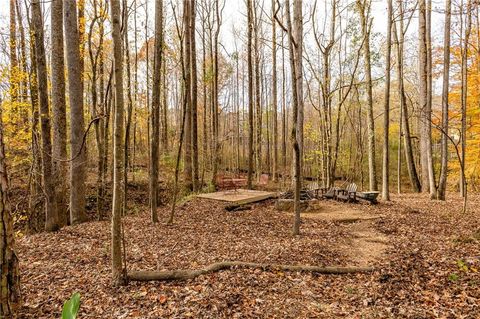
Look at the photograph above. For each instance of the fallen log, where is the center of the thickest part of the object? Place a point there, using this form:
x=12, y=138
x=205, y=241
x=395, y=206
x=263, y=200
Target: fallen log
x=237, y=208
x=152, y=275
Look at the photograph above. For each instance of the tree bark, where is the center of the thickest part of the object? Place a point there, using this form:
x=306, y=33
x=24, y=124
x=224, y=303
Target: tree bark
x=464, y=95
x=130, y=106
x=386, y=115
x=77, y=126
x=155, y=113
x=23, y=53
x=399, y=40
x=51, y=216
x=118, y=275
x=364, y=10
x=9, y=275
x=193, y=87
x=442, y=183
x=431, y=170
x=274, y=94
x=59, y=110
x=297, y=33
x=294, y=39
x=215, y=267
x=36, y=202
x=424, y=104
x=14, y=70
x=258, y=103
x=188, y=173
x=250, y=93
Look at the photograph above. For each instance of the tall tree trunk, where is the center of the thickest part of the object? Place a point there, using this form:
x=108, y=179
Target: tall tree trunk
x=250, y=93
x=9, y=276
x=399, y=40
x=431, y=171
x=14, y=71
x=297, y=33
x=425, y=106
x=364, y=10
x=97, y=63
x=274, y=95
x=193, y=88
x=204, y=102
x=215, y=113
x=258, y=103
x=81, y=24
x=464, y=94
x=165, y=125
x=36, y=202
x=59, y=110
x=118, y=275
x=128, y=124
x=23, y=53
x=284, y=111
x=442, y=183
x=155, y=113
x=77, y=126
x=188, y=173
x=51, y=216
x=386, y=115
x=295, y=39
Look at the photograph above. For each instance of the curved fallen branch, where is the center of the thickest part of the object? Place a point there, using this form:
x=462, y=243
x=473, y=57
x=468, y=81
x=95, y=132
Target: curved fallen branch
x=165, y=275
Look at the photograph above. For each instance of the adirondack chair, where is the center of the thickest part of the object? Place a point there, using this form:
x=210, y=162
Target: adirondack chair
x=313, y=188
x=369, y=196
x=348, y=194
x=331, y=193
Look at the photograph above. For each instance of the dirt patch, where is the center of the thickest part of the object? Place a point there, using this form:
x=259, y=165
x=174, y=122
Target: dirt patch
x=367, y=244
x=336, y=212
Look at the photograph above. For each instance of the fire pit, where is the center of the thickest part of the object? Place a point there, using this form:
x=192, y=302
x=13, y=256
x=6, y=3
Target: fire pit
x=285, y=200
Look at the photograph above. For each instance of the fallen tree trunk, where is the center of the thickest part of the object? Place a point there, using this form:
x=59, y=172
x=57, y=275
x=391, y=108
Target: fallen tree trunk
x=165, y=275
x=237, y=208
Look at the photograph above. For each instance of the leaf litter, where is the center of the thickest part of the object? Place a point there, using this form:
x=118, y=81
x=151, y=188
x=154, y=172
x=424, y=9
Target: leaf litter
x=430, y=269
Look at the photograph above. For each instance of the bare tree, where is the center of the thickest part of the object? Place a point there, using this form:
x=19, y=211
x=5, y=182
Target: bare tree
x=51, y=216
x=155, y=110
x=187, y=86
x=257, y=22
x=10, y=297
x=59, y=110
x=386, y=118
x=366, y=25
x=77, y=126
x=250, y=92
x=118, y=275
x=399, y=34
x=294, y=40
x=426, y=161
x=36, y=201
x=194, y=96
x=464, y=94
x=274, y=94
x=442, y=183
x=14, y=70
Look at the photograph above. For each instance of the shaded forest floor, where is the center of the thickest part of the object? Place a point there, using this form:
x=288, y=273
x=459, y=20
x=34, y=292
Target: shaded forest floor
x=426, y=255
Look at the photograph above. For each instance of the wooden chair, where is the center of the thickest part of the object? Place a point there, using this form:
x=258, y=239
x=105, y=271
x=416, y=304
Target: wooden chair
x=331, y=193
x=369, y=196
x=313, y=188
x=263, y=180
x=348, y=194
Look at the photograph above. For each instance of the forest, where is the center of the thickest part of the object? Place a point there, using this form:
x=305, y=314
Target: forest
x=239, y=159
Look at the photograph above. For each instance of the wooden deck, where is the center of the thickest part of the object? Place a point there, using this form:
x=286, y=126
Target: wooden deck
x=239, y=196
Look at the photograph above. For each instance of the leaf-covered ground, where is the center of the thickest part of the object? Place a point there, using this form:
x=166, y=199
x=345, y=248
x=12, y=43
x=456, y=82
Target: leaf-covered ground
x=430, y=269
